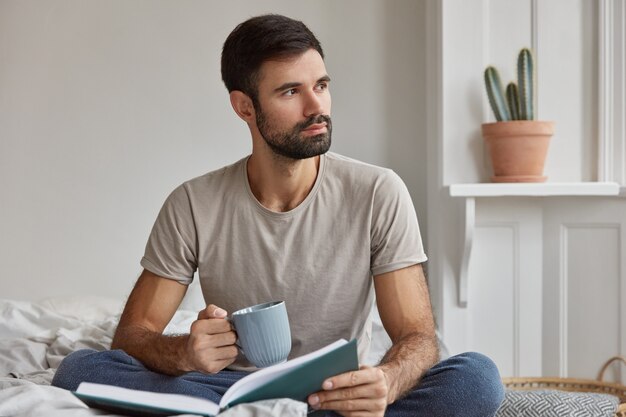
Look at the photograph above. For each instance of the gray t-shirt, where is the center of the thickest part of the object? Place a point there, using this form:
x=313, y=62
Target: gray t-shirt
x=357, y=221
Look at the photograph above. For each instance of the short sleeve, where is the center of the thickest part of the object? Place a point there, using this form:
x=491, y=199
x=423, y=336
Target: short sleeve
x=171, y=251
x=396, y=241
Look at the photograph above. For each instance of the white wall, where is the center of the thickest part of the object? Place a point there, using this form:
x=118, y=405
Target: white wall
x=105, y=107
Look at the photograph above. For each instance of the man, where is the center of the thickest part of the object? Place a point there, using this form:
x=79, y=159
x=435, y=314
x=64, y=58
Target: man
x=290, y=222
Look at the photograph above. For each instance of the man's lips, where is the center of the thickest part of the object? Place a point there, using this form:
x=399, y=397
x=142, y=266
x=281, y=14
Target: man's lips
x=316, y=129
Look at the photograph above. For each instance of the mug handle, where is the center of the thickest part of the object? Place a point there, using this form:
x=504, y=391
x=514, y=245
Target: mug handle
x=237, y=343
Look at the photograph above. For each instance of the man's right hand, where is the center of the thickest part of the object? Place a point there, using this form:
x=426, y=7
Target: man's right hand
x=211, y=344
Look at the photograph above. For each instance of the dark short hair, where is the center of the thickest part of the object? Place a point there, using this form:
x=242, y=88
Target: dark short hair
x=259, y=39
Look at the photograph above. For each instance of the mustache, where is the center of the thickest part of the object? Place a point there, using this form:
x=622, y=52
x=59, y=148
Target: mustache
x=322, y=118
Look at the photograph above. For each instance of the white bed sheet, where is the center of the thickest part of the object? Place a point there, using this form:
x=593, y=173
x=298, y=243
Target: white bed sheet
x=35, y=337
x=31, y=400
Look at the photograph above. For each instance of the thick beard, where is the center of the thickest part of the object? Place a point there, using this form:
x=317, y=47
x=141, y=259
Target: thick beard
x=290, y=144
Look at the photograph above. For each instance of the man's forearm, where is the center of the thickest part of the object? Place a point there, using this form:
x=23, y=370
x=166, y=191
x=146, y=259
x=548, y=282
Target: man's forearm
x=407, y=361
x=164, y=354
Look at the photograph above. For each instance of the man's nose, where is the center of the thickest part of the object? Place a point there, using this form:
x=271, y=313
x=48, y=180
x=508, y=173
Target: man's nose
x=314, y=104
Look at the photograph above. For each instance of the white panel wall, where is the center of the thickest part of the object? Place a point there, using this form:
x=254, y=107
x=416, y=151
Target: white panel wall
x=462, y=107
x=504, y=309
x=492, y=304
x=567, y=63
x=532, y=303
x=105, y=107
x=585, y=285
x=546, y=286
x=613, y=92
x=592, y=296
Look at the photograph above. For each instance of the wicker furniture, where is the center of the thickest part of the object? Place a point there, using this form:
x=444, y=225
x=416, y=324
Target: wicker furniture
x=575, y=385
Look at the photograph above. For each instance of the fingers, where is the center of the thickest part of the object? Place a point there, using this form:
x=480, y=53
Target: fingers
x=210, y=353
x=362, y=392
x=352, y=407
x=213, y=334
x=211, y=327
x=211, y=321
x=211, y=344
x=216, y=359
x=212, y=312
x=365, y=375
x=226, y=353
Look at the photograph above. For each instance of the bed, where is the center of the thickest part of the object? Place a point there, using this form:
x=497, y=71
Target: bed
x=36, y=336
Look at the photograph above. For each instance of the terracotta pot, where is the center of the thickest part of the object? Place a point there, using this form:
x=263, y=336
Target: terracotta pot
x=518, y=149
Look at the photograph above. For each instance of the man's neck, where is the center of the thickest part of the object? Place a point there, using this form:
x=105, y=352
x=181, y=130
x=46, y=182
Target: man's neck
x=280, y=184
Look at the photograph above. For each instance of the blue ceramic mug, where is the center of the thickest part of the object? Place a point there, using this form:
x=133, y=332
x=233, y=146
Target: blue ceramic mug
x=263, y=333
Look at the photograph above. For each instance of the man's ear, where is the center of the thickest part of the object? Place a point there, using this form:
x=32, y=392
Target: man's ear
x=242, y=104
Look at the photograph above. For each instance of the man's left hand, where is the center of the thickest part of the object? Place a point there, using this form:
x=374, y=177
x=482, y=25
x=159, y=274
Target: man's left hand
x=357, y=393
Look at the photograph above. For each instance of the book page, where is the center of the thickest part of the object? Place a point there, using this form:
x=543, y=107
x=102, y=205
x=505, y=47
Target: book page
x=177, y=402
x=262, y=376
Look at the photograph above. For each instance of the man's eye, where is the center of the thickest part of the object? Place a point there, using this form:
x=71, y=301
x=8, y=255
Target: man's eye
x=322, y=86
x=290, y=92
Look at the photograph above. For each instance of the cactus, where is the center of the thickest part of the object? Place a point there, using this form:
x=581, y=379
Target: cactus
x=512, y=98
x=518, y=104
x=496, y=98
x=525, y=72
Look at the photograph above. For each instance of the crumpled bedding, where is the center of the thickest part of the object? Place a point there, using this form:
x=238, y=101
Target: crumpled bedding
x=32, y=400
x=35, y=337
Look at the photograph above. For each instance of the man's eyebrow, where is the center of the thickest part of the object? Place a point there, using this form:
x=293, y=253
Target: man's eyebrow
x=325, y=78
x=287, y=86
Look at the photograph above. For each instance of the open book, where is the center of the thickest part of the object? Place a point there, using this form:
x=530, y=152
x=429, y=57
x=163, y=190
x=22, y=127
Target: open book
x=295, y=379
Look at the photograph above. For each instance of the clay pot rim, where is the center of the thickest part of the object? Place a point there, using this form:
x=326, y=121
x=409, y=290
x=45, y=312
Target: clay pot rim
x=517, y=127
x=518, y=122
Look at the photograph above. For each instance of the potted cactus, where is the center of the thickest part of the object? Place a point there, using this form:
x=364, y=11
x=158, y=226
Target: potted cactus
x=517, y=143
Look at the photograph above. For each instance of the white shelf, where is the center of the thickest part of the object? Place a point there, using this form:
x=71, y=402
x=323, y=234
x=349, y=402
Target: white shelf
x=544, y=189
